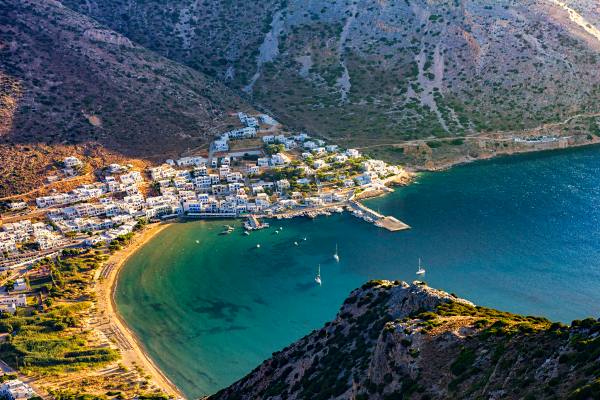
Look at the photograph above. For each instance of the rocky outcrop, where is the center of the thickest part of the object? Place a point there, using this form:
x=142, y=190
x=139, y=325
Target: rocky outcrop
x=392, y=340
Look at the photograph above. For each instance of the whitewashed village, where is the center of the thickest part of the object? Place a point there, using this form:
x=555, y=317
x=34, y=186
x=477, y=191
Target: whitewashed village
x=254, y=172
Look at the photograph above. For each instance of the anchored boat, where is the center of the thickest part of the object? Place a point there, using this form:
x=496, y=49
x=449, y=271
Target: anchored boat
x=318, y=277
x=420, y=270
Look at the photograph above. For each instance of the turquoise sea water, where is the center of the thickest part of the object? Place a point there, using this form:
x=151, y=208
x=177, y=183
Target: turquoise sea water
x=520, y=234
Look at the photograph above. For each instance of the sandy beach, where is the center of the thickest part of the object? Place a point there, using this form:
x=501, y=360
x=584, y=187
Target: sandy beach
x=110, y=323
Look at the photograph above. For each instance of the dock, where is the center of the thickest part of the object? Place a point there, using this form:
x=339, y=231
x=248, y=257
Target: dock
x=253, y=223
x=392, y=224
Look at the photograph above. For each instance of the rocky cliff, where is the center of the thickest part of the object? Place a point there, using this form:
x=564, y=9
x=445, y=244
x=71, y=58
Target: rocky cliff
x=392, y=340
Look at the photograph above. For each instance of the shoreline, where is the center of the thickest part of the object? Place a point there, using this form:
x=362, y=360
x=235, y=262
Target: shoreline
x=133, y=354
x=439, y=166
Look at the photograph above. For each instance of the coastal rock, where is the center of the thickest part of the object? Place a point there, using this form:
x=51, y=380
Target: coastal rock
x=393, y=340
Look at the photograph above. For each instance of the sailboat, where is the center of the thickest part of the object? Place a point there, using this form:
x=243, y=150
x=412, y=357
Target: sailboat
x=336, y=256
x=421, y=270
x=318, y=277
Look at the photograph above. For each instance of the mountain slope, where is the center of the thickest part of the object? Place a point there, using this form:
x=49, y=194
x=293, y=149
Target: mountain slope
x=64, y=78
x=375, y=71
x=392, y=340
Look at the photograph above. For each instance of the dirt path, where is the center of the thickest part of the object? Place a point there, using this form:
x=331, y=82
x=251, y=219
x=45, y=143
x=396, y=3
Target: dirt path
x=109, y=323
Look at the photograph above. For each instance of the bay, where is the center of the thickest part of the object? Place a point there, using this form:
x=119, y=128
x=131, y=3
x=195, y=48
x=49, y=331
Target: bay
x=519, y=234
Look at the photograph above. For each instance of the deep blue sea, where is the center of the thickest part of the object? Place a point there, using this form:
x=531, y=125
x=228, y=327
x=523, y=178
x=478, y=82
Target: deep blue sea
x=520, y=234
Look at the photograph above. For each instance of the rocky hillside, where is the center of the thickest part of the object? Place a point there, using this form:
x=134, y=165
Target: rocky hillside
x=379, y=71
x=65, y=78
x=392, y=340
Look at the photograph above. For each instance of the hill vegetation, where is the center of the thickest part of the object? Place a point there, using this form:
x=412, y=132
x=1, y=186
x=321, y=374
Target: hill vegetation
x=65, y=79
x=392, y=340
x=370, y=71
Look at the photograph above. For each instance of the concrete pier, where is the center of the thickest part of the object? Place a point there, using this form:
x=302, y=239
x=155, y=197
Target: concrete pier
x=392, y=224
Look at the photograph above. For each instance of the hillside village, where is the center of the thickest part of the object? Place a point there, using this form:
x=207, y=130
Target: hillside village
x=256, y=171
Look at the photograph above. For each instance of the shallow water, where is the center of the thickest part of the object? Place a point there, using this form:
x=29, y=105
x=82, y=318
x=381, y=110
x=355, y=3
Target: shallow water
x=519, y=234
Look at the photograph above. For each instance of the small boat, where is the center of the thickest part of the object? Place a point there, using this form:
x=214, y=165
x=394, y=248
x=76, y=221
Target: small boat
x=258, y=246
x=281, y=228
x=246, y=233
x=304, y=238
x=277, y=232
x=421, y=270
x=197, y=241
x=336, y=256
x=295, y=243
x=318, y=277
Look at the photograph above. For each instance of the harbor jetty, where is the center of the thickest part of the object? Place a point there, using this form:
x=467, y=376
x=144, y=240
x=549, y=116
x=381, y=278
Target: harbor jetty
x=392, y=224
x=253, y=223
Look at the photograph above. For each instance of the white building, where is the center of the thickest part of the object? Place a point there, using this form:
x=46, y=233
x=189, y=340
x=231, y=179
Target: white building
x=20, y=285
x=247, y=120
x=267, y=120
x=131, y=178
x=319, y=164
x=280, y=159
x=188, y=161
x=340, y=158
x=309, y=145
x=16, y=390
x=221, y=144
x=9, y=303
x=242, y=133
x=17, y=205
x=252, y=169
x=71, y=162
x=352, y=153
x=262, y=162
x=282, y=184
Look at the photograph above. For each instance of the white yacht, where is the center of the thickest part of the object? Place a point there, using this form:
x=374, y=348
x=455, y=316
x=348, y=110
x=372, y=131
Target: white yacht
x=420, y=270
x=318, y=277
